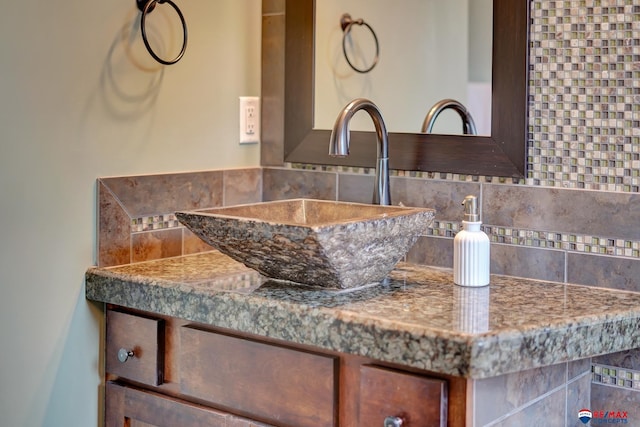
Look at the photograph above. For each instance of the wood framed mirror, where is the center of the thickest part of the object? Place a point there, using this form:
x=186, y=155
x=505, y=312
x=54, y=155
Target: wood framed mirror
x=500, y=154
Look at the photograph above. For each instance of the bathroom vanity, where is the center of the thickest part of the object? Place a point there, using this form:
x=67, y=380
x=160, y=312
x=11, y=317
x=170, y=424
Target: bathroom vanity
x=203, y=340
x=175, y=364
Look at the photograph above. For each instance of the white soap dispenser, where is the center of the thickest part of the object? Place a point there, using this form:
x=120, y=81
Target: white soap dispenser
x=471, y=249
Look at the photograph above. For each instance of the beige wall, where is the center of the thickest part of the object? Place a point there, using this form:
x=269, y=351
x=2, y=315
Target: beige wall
x=73, y=108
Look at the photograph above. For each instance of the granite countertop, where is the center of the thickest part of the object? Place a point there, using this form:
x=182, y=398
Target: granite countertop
x=416, y=318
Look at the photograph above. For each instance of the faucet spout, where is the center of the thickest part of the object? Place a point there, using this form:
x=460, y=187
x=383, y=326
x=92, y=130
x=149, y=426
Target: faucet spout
x=339, y=144
x=468, y=125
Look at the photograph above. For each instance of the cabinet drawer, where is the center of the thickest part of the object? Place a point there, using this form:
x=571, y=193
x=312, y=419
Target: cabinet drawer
x=142, y=341
x=418, y=400
x=279, y=385
x=128, y=406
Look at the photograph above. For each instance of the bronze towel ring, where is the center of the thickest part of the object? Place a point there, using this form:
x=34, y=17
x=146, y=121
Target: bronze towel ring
x=147, y=6
x=346, y=22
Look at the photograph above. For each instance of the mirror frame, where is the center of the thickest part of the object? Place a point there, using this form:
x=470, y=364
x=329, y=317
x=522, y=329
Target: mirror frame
x=501, y=154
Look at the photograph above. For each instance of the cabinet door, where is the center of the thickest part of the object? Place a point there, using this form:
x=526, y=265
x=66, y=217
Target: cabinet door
x=390, y=398
x=131, y=407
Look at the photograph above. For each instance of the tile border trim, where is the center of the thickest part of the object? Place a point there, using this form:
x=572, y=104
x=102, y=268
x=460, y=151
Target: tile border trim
x=154, y=222
x=570, y=242
x=613, y=376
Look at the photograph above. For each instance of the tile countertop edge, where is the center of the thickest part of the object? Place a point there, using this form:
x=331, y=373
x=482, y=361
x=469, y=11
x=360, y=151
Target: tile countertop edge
x=466, y=355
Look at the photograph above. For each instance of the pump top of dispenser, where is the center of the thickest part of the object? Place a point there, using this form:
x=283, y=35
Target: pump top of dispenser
x=471, y=209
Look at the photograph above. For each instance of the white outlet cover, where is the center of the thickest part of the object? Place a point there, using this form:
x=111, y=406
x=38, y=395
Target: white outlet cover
x=249, y=129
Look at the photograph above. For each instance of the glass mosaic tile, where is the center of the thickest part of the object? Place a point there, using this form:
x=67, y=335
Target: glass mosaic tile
x=615, y=377
x=154, y=222
x=584, y=118
x=551, y=240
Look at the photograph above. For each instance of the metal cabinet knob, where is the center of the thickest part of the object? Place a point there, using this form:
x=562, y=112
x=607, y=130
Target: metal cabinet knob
x=124, y=354
x=393, y=422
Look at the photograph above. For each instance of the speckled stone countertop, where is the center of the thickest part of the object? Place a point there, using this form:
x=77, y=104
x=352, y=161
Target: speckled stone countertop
x=417, y=317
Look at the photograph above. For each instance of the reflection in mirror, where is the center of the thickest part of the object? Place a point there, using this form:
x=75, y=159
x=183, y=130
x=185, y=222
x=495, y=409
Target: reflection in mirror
x=468, y=124
x=502, y=153
x=430, y=50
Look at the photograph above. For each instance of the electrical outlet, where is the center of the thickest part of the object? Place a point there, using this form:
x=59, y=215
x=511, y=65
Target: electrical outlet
x=249, y=119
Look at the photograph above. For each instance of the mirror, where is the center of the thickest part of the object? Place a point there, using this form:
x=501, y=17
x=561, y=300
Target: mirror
x=500, y=154
x=443, y=53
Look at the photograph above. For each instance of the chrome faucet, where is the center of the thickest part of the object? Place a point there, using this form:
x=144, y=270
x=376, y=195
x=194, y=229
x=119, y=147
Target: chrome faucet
x=468, y=125
x=339, y=144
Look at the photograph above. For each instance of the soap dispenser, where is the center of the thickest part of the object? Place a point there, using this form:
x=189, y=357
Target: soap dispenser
x=471, y=249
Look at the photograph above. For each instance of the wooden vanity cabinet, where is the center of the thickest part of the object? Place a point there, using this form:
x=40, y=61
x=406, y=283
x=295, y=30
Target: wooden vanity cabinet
x=167, y=372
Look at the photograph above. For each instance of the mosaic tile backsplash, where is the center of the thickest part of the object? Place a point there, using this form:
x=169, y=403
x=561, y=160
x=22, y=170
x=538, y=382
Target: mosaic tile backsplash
x=584, y=95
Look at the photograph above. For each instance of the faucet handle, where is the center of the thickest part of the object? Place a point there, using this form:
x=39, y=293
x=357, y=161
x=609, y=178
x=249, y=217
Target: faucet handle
x=393, y=421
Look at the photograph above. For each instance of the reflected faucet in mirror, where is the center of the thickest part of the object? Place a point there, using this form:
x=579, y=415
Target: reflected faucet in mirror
x=468, y=125
x=339, y=144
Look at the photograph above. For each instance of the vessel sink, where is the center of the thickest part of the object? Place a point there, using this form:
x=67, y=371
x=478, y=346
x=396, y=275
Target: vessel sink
x=330, y=244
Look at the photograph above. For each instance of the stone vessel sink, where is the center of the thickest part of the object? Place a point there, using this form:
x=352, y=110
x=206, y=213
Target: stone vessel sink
x=329, y=244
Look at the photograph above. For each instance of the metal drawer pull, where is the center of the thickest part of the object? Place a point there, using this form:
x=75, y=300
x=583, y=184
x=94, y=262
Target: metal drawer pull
x=124, y=355
x=393, y=422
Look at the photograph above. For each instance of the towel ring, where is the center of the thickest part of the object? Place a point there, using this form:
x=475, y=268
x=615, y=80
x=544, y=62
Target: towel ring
x=346, y=22
x=147, y=6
